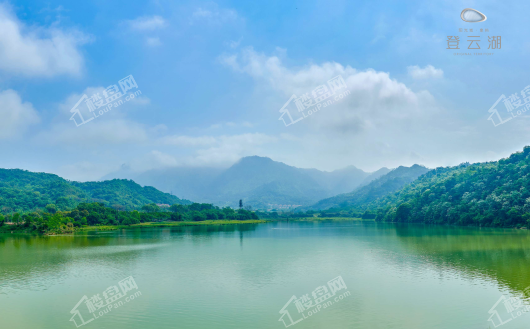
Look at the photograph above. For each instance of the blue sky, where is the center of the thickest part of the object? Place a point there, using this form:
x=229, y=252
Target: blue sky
x=213, y=76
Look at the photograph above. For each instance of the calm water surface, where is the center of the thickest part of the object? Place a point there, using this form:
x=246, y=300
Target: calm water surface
x=241, y=276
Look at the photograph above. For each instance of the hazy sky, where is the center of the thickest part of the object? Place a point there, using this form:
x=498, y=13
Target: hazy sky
x=213, y=77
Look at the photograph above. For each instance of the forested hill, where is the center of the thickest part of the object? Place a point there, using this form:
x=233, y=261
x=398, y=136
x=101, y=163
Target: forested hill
x=22, y=191
x=484, y=194
x=386, y=184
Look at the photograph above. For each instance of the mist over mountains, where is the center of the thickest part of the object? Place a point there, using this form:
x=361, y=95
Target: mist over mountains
x=261, y=182
x=378, y=188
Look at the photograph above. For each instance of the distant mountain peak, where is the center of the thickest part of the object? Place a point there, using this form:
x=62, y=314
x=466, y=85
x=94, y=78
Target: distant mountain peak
x=347, y=168
x=254, y=159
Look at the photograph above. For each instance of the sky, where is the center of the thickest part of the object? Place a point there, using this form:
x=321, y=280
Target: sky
x=211, y=78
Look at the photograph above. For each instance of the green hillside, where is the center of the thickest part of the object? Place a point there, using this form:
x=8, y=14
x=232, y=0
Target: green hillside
x=22, y=191
x=126, y=193
x=484, y=194
x=386, y=184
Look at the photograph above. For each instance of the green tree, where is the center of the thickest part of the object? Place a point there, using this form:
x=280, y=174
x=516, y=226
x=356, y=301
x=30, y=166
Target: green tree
x=55, y=222
x=151, y=208
x=16, y=218
x=175, y=217
x=130, y=221
x=197, y=216
x=211, y=214
x=51, y=208
x=403, y=212
x=177, y=208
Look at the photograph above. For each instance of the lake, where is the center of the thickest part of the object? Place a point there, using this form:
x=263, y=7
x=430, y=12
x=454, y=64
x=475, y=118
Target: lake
x=343, y=274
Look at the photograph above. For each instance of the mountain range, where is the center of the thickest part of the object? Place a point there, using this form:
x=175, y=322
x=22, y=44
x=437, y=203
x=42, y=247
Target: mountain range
x=495, y=193
x=259, y=181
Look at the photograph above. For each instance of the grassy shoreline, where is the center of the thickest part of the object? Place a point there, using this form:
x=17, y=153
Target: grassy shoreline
x=7, y=229
x=170, y=224
x=212, y=222
x=319, y=219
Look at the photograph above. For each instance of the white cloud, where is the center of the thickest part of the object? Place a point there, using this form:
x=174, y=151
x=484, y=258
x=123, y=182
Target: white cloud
x=234, y=44
x=380, y=123
x=72, y=99
x=160, y=128
x=213, y=15
x=15, y=115
x=229, y=149
x=229, y=124
x=188, y=141
x=84, y=171
x=219, y=150
x=147, y=23
x=110, y=128
x=33, y=51
x=375, y=99
x=202, y=151
x=101, y=131
x=153, y=160
x=65, y=106
x=427, y=72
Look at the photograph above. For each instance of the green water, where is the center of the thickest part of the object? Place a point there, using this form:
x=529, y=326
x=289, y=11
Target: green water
x=241, y=276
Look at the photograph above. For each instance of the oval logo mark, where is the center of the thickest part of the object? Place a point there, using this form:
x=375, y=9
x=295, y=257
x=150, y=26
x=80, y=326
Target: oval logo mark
x=471, y=15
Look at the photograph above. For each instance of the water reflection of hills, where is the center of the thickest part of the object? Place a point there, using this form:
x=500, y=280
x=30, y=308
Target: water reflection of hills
x=499, y=254
x=33, y=262
x=36, y=262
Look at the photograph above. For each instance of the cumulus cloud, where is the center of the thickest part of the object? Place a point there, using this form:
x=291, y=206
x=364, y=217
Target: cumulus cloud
x=378, y=122
x=147, y=23
x=31, y=51
x=15, y=115
x=111, y=127
x=373, y=98
x=427, y=72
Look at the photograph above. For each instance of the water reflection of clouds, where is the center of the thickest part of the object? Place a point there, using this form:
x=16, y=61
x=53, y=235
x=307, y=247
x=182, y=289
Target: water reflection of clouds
x=106, y=250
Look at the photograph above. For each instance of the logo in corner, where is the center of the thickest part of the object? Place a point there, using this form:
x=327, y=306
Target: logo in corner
x=471, y=15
